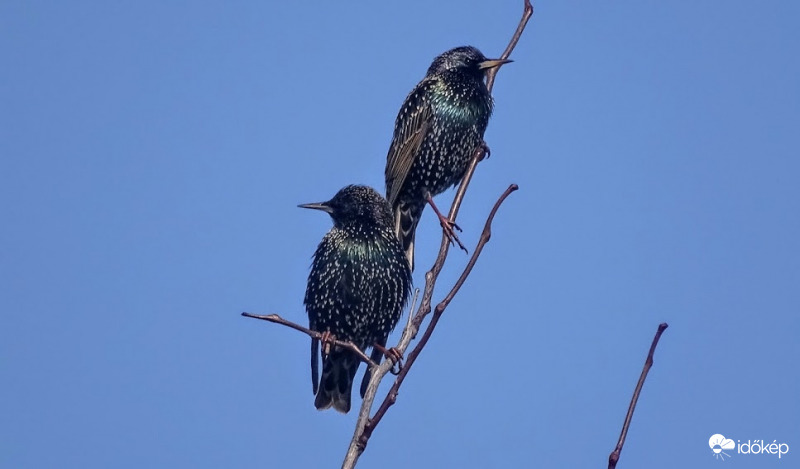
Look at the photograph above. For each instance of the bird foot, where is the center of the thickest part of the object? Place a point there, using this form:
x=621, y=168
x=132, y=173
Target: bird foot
x=450, y=228
x=327, y=339
x=448, y=225
x=392, y=354
x=487, y=152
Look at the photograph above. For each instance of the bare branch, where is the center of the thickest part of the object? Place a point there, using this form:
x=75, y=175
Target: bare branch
x=527, y=12
x=614, y=456
x=274, y=318
x=365, y=425
x=437, y=313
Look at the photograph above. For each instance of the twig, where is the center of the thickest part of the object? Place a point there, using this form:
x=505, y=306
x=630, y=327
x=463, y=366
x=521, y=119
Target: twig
x=527, y=12
x=614, y=456
x=411, y=308
x=365, y=425
x=313, y=334
x=437, y=313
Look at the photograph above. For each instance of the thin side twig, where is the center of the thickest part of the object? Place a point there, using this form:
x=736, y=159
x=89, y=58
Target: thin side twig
x=613, y=458
x=366, y=425
x=346, y=344
x=486, y=234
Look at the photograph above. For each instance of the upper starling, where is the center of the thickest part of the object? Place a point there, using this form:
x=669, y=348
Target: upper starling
x=359, y=283
x=438, y=129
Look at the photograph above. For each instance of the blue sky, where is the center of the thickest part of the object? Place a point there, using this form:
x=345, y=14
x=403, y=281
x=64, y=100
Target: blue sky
x=153, y=154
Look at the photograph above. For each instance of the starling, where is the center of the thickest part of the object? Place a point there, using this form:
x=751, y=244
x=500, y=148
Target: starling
x=437, y=131
x=359, y=283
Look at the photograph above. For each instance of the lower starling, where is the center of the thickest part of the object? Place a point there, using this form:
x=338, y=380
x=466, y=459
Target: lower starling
x=359, y=283
x=437, y=131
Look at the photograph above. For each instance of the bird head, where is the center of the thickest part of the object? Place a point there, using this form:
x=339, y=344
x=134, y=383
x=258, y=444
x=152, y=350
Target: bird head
x=466, y=59
x=355, y=204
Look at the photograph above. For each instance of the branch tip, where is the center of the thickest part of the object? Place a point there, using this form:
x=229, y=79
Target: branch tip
x=613, y=458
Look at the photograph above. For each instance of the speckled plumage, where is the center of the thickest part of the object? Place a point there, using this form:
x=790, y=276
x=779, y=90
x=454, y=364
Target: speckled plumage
x=438, y=129
x=359, y=283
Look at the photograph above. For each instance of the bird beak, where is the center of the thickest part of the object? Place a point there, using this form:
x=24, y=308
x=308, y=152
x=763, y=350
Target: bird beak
x=318, y=206
x=492, y=63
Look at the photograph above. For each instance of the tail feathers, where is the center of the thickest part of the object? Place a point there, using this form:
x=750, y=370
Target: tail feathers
x=405, y=225
x=338, y=371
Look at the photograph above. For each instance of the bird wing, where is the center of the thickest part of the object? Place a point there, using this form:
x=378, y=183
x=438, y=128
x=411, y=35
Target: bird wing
x=410, y=129
x=350, y=296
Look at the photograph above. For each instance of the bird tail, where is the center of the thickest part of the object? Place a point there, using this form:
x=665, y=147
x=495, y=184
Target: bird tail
x=338, y=371
x=376, y=357
x=406, y=218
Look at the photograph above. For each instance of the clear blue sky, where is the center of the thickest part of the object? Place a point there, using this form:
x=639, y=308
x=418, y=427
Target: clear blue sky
x=153, y=154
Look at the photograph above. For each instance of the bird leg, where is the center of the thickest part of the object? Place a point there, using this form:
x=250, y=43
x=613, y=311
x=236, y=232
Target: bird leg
x=392, y=354
x=447, y=225
x=327, y=339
